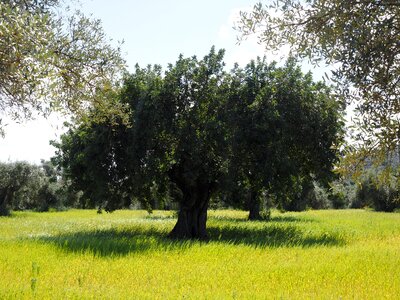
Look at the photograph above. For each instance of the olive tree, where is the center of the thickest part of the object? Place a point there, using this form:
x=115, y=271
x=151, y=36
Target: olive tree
x=285, y=132
x=175, y=137
x=53, y=62
x=195, y=125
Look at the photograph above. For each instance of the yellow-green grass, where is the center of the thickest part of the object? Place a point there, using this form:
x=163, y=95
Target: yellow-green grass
x=344, y=254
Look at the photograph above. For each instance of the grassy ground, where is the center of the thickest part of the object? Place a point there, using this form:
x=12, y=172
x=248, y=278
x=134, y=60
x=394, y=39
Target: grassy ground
x=316, y=254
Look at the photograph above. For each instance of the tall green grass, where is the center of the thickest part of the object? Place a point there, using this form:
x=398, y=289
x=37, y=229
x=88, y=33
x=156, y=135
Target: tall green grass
x=125, y=255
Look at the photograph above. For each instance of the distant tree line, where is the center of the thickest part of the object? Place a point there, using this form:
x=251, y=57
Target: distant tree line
x=25, y=186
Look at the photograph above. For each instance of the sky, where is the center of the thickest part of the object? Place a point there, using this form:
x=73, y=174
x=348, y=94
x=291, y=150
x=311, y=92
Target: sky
x=153, y=32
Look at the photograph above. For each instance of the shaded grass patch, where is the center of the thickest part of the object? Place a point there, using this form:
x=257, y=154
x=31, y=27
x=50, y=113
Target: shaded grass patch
x=138, y=238
x=273, y=236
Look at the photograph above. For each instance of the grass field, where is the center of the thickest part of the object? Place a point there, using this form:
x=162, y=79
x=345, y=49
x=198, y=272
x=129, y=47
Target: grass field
x=348, y=254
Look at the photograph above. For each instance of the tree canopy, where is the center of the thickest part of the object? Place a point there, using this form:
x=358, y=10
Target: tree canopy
x=193, y=125
x=360, y=38
x=284, y=127
x=53, y=62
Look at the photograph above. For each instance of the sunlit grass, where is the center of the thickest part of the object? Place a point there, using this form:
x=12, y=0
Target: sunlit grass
x=126, y=254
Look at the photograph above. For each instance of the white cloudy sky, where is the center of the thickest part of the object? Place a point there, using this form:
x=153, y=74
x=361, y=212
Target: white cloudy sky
x=154, y=32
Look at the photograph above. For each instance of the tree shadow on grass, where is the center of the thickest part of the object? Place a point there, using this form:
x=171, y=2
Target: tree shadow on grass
x=109, y=242
x=273, y=219
x=139, y=239
x=273, y=236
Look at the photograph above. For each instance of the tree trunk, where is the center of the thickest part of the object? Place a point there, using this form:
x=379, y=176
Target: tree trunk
x=192, y=215
x=4, y=211
x=254, y=206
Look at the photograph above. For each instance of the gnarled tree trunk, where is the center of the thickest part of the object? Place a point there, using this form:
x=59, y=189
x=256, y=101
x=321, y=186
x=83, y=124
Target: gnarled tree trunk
x=254, y=206
x=192, y=217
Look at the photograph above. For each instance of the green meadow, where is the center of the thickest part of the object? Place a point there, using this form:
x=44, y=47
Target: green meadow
x=78, y=254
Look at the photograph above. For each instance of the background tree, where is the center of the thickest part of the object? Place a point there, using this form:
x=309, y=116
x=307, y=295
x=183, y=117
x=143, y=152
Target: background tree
x=12, y=178
x=27, y=186
x=113, y=163
x=285, y=133
x=359, y=37
x=50, y=62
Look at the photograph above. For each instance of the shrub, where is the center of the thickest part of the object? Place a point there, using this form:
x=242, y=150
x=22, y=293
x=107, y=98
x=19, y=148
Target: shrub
x=380, y=197
x=319, y=199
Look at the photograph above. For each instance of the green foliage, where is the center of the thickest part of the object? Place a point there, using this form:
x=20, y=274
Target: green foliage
x=16, y=182
x=360, y=38
x=94, y=162
x=343, y=194
x=175, y=136
x=377, y=181
x=318, y=198
x=26, y=186
x=285, y=130
x=381, y=197
x=52, y=62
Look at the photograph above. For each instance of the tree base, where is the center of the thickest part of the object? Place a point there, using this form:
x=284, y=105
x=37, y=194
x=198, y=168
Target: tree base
x=192, y=217
x=191, y=224
x=254, y=207
x=4, y=211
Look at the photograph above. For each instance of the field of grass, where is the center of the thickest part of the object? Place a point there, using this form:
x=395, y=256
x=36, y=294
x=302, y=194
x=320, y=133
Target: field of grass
x=125, y=255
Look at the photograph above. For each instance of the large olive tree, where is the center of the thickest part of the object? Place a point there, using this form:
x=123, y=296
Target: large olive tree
x=175, y=137
x=194, y=126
